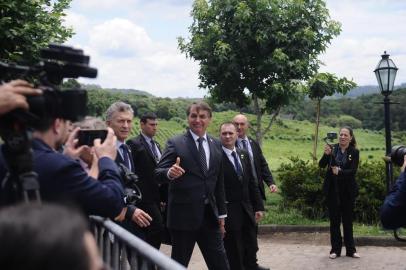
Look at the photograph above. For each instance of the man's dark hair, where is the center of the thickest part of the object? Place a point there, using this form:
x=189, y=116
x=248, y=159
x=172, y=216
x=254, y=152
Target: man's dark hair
x=45, y=237
x=199, y=105
x=148, y=116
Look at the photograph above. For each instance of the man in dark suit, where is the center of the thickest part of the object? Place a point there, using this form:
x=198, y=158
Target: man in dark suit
x=192, y=163
x=119, y=117
x=244, y=204
x=260, y=168
x=146, y=153
x=62, y=179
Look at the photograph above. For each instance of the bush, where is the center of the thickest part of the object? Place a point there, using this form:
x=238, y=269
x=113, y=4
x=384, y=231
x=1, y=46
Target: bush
x=301, y=185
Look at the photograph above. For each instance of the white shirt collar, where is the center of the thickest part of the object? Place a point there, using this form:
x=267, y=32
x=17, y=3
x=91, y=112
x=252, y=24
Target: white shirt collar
x=195, y=137
x=228, y=151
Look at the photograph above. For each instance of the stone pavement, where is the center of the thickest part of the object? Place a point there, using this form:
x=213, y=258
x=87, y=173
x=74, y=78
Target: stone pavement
x=309, y=251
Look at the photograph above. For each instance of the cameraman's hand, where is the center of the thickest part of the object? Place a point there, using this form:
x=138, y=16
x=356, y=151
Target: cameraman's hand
x=70, y=145
x=108, y=147
x=327, y=150
x=12, y=95
x=141, y=218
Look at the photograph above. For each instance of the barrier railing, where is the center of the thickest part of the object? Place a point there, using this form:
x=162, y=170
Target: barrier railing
x=121, y=250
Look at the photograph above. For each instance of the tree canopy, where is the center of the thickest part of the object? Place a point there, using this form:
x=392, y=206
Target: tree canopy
x=257, y=48
x=28, y=26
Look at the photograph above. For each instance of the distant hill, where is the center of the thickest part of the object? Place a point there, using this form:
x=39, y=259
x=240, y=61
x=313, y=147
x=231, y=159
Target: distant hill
x=117, y=90
x=368, y=90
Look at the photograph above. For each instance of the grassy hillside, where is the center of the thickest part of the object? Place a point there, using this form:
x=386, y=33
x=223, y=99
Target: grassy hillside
x=287, y=138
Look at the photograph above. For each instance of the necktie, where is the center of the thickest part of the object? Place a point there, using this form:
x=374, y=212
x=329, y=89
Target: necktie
x=126, y=155
x=244, y=145
x=202, y=155
x=153, y=149
x=237, y=165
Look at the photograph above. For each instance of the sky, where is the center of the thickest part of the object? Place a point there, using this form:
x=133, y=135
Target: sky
x=133, y=43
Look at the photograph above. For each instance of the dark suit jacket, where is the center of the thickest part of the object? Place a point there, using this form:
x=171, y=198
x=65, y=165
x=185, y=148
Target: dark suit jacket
x=145, y=164
x=394, y=208
x=242, y=195
x=261, y=167
x=63, y=179
x=120, y=160
x=346, y=177
x=186, y=194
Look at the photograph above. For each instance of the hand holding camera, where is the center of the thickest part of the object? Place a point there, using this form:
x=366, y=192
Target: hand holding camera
x=108, y=147
x=12, y=95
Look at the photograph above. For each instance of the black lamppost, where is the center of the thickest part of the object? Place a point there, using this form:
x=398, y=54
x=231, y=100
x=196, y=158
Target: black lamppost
x=385, y=73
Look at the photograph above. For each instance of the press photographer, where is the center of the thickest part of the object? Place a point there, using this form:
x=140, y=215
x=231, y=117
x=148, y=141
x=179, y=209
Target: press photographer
x=32, y=168
x=393, y=210
x=341, y=189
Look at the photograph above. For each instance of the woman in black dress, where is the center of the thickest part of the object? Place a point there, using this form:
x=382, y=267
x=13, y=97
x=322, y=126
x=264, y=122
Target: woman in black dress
x=341, y=190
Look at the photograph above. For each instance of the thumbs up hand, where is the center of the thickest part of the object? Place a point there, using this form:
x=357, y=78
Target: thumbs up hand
x=176, y=170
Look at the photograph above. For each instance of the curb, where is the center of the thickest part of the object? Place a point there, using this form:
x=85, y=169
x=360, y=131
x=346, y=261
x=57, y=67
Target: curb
x=381, y=241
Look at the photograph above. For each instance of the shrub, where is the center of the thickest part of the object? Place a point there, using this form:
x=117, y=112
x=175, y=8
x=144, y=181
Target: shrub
x=301, y=185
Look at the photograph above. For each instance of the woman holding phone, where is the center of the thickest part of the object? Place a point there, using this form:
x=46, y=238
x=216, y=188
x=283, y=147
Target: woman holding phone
x=341, y=190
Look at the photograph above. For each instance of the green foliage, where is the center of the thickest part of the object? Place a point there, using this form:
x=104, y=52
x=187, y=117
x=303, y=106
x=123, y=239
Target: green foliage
x=258, y=49
x=372, y=190
x=28, y=26
x=368, y=109
x=342, y=120
x=301, y=185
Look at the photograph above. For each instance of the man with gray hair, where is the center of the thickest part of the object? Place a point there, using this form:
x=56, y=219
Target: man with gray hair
x=119, y=117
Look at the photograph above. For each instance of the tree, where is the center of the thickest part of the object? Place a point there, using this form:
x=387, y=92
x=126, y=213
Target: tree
x=258, y=50
x=28, y=26
x=320, y=86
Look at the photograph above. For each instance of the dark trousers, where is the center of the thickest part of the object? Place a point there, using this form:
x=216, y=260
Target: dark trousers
x=153, y=233
x=210, y=242
x=341, y=208
x=242, y=246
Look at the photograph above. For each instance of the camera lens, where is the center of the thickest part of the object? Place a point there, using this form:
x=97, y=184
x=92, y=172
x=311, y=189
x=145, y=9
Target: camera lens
x=397, y=154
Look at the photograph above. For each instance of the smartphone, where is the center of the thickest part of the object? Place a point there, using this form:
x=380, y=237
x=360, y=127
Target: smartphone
x=332, y=135
x=86, y=137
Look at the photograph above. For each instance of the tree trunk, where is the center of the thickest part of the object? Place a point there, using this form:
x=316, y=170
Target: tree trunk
x=258, y=112
x=316, y=136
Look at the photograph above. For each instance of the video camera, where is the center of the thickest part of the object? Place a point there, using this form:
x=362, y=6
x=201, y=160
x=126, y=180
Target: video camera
x=132, y=193
x=331, y=136
x=57, y=62
x=397, y=155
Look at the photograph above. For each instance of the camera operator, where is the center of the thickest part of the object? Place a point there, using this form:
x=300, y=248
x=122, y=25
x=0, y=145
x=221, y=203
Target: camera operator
x=393, y=210
x=61, y=178
x=119, y=117
x=12, y=95
x=341, y=190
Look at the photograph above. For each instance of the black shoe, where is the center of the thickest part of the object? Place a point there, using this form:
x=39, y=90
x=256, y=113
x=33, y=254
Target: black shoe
x=262, y=268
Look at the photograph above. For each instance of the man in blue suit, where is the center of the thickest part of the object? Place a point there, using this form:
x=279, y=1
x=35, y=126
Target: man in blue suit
x=393, y=210
x=192, y=164
x=62, y=179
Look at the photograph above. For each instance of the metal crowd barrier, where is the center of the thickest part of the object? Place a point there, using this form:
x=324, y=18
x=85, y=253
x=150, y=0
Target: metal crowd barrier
x=121, y=250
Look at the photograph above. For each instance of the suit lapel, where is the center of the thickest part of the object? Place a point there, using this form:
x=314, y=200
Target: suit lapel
x=191, y=144
x=148, y=148
x=213, y=155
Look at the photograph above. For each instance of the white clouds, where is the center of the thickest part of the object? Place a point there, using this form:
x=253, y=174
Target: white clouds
x=368, y=28
x=127, y=57
x=120, y=38
x=133, y=42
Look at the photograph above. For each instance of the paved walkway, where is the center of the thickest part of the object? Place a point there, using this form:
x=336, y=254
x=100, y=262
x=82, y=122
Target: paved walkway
x=310, y=252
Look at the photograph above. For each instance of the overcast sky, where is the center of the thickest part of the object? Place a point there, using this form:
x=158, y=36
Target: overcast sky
x=133, y=43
